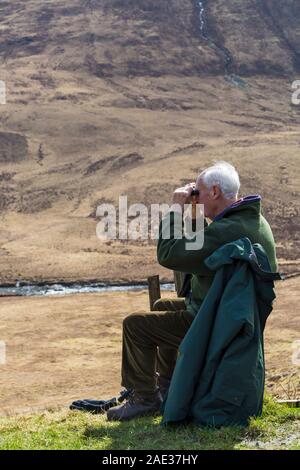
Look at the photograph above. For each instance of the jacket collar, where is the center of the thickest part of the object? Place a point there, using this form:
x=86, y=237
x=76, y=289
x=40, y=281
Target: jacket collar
x=240, y=202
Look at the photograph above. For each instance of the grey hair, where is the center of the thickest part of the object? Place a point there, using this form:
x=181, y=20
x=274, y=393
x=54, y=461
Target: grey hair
x=225, y=176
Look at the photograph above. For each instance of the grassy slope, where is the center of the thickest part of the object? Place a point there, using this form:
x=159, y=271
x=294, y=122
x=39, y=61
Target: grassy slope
x=278, y=428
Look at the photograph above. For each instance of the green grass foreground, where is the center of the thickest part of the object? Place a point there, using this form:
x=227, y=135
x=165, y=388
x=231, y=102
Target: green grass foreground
x=278, y=428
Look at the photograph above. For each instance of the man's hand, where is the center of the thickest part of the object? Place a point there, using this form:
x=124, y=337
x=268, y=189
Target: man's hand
x=182, y=195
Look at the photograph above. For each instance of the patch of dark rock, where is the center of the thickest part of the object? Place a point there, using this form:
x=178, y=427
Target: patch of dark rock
x=114, y=163
x=13, y=147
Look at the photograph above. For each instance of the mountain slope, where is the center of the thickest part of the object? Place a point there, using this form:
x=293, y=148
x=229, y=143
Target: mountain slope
x=104, y=94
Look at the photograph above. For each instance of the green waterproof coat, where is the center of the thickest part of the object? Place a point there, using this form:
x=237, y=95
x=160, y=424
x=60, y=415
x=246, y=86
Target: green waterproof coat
x=219, y=375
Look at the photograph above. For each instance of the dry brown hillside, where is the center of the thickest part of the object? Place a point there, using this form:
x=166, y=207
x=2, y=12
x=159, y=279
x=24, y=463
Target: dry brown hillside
x=110, y=97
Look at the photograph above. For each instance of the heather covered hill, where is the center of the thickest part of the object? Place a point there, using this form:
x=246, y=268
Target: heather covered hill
x=130, y=38
x=102, y=94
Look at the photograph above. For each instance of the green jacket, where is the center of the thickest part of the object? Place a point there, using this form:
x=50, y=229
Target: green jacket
x=245, y=220
x=219, y=375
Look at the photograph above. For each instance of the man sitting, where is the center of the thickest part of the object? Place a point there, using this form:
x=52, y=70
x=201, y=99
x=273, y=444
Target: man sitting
x=151, y=339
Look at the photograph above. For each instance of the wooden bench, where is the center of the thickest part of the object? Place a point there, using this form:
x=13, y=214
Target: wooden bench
x=154, y=287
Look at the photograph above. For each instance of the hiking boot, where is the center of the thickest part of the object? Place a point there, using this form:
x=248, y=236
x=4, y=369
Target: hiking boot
x=136, y=406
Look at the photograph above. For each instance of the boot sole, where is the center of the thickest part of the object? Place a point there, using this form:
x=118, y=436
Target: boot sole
x=129, y=418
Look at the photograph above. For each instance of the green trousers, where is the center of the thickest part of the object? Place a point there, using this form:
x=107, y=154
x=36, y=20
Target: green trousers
x=150, y=344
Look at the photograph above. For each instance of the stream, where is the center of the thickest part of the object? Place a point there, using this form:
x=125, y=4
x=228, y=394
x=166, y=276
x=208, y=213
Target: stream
x=221, y=50
x=73, y=288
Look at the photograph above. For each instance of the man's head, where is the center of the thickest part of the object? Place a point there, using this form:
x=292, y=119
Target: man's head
x=219, y=187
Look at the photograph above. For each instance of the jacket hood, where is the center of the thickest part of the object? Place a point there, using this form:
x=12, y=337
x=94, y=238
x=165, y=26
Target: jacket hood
x=243, y=250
